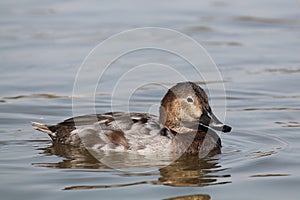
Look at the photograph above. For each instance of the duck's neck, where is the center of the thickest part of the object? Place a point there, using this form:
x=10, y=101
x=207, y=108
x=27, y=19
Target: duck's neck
x=189, y=142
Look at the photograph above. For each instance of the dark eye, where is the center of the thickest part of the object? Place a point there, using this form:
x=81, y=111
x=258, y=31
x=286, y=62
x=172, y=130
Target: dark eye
x=190, y=100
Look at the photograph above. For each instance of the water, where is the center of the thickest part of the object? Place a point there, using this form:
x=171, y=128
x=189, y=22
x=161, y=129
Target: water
x=255, y=45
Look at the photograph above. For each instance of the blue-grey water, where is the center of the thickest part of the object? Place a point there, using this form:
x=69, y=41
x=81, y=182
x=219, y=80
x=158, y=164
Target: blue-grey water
x=255, y=44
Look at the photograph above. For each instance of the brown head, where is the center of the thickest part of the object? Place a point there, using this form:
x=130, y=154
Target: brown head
x=185, y=107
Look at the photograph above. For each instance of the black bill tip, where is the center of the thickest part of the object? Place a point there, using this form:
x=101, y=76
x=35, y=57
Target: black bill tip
x=226, y=129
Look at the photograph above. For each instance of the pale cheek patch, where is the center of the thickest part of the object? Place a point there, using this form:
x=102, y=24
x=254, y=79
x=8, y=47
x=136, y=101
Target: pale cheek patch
x=200, y=112
x=196, y=112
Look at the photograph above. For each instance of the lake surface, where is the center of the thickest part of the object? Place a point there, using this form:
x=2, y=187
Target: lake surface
x=255, y=45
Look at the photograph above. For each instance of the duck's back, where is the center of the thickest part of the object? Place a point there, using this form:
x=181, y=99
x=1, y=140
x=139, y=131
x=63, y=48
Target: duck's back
x=115, y=131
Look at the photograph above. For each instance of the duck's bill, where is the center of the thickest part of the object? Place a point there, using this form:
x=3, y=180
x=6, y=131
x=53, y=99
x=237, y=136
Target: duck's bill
x=216, y=124
x=220, y=127
x=210, y=120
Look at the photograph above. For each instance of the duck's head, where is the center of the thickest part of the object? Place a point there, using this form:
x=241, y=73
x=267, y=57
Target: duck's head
x=185, y=107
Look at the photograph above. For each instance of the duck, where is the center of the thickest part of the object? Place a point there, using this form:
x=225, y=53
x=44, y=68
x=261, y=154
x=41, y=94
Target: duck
x=186, y=124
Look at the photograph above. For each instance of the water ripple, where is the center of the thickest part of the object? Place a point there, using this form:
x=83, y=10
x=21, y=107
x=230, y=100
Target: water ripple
x=242, y=146
x=289, y=124
x=267, y=20
x=268, y=175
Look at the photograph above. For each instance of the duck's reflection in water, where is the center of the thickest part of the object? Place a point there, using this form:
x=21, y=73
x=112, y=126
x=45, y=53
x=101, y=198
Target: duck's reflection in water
x=191, y=171
x=186, y=171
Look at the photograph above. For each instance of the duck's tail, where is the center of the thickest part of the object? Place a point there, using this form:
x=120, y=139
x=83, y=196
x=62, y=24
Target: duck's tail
x=43, y=128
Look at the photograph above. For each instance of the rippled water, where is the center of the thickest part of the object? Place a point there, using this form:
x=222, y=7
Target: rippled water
x=255, y=45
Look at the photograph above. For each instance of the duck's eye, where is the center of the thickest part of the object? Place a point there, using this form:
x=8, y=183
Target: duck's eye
x=190, y=100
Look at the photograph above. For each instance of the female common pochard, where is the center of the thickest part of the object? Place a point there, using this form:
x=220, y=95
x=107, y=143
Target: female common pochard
x=185, y=124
